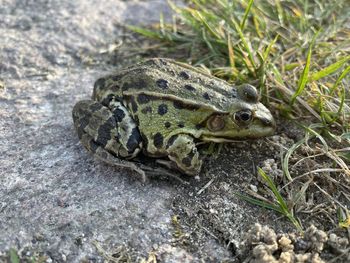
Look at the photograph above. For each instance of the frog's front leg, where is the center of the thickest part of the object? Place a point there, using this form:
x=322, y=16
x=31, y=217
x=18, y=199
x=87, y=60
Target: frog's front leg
x=107, y=132
x=182, y=150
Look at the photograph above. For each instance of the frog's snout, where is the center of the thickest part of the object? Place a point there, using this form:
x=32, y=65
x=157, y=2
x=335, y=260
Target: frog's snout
x=268, y=122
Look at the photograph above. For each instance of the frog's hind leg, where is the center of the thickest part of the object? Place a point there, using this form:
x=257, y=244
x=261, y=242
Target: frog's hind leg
x=103, y=155
x=108, y=132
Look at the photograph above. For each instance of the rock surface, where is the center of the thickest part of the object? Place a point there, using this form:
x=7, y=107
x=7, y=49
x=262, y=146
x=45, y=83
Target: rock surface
x=54, y=198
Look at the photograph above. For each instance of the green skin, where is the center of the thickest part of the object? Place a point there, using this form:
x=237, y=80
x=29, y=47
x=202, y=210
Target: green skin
x=165, y=108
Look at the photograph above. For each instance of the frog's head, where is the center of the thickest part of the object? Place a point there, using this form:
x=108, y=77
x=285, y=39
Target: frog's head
x=246, y=118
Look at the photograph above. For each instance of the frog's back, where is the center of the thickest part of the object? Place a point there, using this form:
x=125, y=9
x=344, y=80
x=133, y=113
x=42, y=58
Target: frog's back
x=167, y=77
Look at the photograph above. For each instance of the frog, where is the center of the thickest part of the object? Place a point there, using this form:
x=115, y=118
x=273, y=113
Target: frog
x=165, y=109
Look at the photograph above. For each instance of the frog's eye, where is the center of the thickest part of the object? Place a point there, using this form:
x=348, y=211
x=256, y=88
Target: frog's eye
x=243, y=117
x=216, y=123
x=249, y=93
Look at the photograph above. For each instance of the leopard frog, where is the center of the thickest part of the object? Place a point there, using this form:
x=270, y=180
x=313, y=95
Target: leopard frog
x=165, y=108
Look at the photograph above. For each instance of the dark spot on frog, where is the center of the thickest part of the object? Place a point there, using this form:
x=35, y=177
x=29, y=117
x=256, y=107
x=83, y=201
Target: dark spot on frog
x=144, y=139
x=113, y=88
x=184, y=75
x=135, y=84
x=136, y=119
x=143, y=98
x=133, y=104
x=158, y=140
x=80, y=125
x=171, y=141
x=107, y=100
x=188, y=159
x=116, y=77
x=83, y=122
x=134, y=140
x=199, y=126
x=93, y=146
x=178, y=104
x=162, y=83
x=190, y=88
x=104, y=131
x=140, y=84
x=206, y=96
x=118, y=114
x=167, y=124
x=95, y=106
x=162, y=109
x=181, y=125
x=147, y=109
x=126, y=86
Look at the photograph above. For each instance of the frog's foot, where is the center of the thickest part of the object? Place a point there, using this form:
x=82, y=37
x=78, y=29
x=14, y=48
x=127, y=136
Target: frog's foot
x=103, y=155
x=107, y=132
x=183, y=152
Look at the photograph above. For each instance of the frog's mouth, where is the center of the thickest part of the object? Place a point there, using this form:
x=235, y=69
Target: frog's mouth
x=230, y=136
x=221, y=139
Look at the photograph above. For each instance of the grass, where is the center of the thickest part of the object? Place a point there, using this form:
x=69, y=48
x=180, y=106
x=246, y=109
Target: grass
x=297, y=54
x=280, y=205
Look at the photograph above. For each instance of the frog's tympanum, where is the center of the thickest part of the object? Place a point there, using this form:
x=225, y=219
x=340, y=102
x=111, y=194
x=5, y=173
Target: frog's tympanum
x=165, y=108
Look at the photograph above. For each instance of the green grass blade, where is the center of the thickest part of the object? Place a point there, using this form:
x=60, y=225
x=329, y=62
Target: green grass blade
x=14, y=256
x=246, y=13
x=258, y=202
x=201, y=17
x=274, y=189
x=245, y=43
x=340, y=78
x=145, y=32
x=280, y=11
x=305, y=75
x=329, y=70
x=268, y=49
x=341, y=106
x=316, y=134
x=302, y=191
x=283, y=208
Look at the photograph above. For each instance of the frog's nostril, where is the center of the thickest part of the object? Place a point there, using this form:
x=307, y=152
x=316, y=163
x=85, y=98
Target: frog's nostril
x=268, y=122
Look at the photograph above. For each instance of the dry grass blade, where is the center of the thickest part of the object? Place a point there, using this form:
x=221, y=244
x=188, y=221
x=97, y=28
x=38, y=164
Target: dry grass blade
x=245, y=44
x=285, y=162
